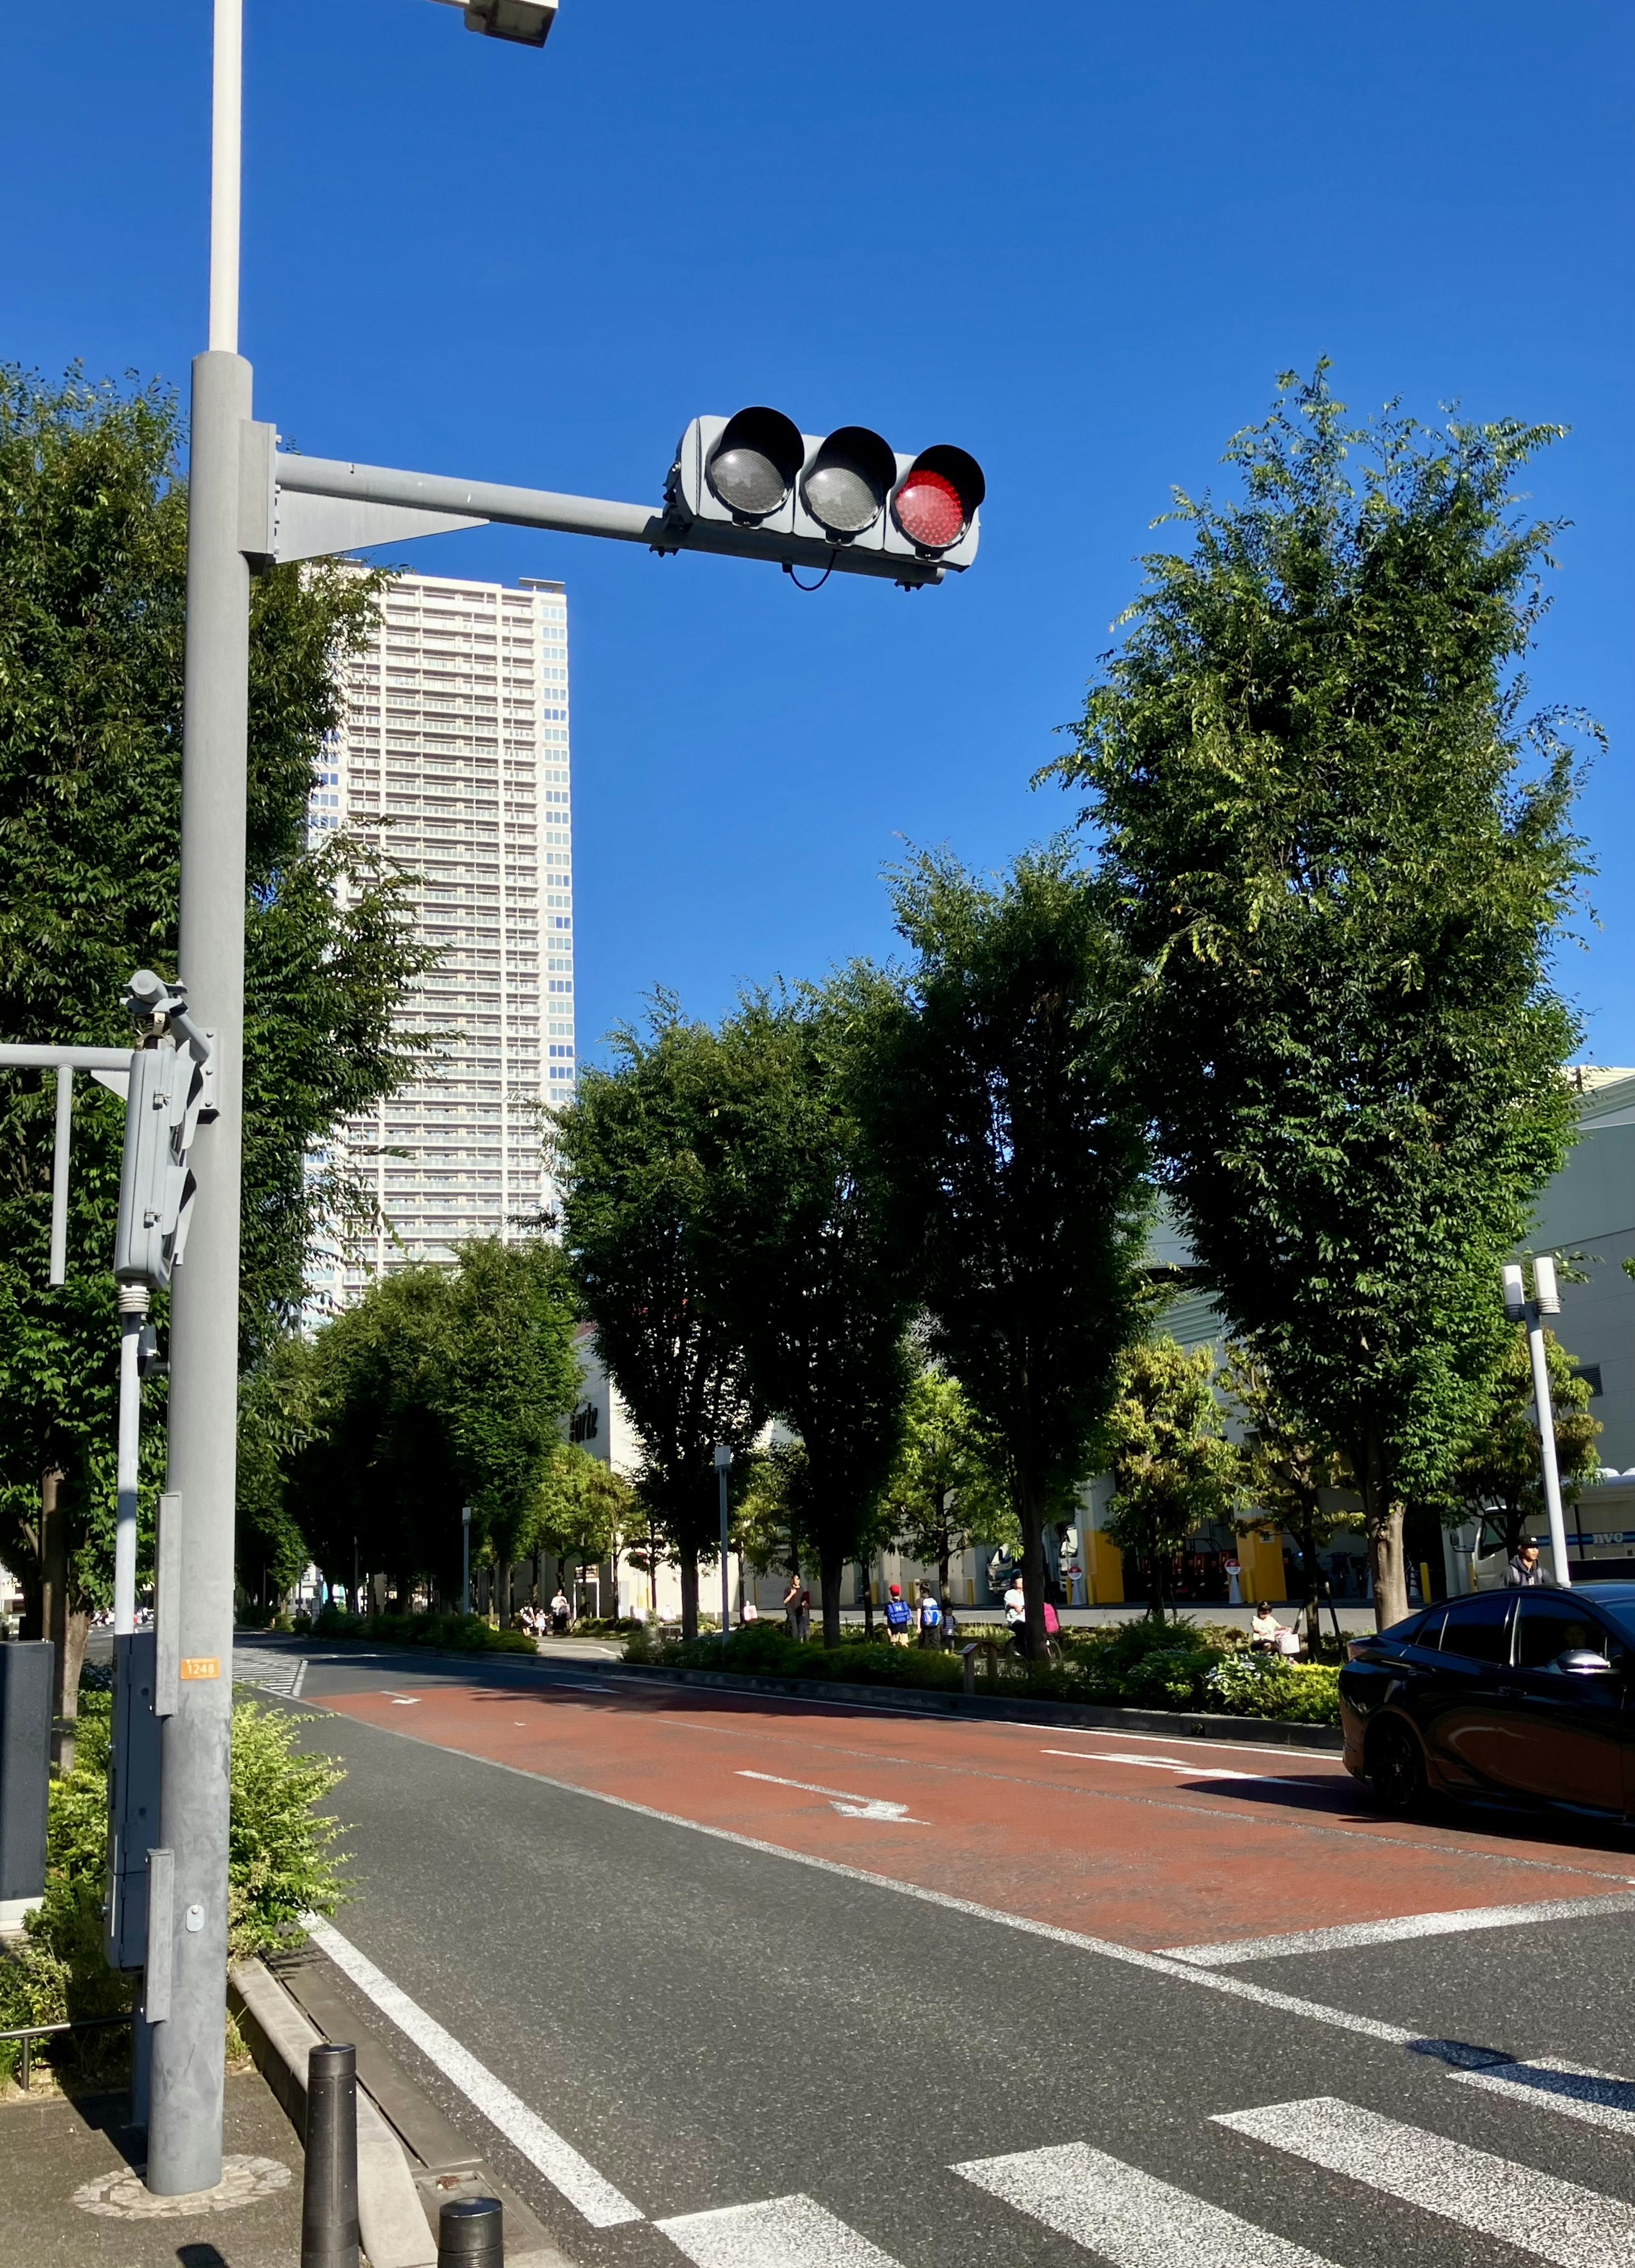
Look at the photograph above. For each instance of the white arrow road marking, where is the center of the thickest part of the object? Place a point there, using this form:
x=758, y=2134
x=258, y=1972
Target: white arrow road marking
x=401, y=1700
x=1172, y=1764
x=854, y=1807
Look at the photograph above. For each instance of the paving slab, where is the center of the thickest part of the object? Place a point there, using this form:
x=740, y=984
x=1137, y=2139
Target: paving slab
x=69, y=2197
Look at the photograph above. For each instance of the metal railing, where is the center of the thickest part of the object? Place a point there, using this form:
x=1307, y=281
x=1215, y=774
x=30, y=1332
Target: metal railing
x=27, y=2033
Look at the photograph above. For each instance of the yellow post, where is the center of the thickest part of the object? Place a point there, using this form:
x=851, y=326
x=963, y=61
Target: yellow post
x=1261, y=1559
x=1104, y=1571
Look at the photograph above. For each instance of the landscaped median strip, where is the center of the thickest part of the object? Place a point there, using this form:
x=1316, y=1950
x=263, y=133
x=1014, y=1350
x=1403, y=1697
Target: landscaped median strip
x=546, y=2150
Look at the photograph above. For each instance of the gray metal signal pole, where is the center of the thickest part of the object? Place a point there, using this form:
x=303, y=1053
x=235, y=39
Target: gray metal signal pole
x=723, y=1465
x=188, y=2022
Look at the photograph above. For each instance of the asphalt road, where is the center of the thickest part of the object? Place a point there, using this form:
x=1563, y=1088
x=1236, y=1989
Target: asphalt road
x=729, y=2008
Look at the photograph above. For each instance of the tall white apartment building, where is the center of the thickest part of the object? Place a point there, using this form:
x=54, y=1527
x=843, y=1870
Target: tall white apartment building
x=454, y=752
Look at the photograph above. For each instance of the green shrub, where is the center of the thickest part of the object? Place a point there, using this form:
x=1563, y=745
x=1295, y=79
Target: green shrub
x=1271, y=1685
x=451, y=1633
x=281, y=1863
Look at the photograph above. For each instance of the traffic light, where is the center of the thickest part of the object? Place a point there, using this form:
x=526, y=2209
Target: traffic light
x=848, y=493
x=527, y=22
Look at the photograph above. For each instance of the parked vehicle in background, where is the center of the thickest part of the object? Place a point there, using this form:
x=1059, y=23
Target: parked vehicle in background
x=1524, y=1696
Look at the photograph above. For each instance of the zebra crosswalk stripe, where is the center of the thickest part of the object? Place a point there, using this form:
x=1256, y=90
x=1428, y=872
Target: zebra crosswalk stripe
x=1553, y=2219
x=786, y=2232
x=1601, y=2098
x=1127, y=2217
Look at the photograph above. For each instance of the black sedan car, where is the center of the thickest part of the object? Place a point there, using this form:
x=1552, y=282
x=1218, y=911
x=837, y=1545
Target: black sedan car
x=1524, y=1696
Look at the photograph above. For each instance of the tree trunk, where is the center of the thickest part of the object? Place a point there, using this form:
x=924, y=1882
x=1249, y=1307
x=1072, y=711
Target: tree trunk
x=831, y=1566
x=690, y=1591
x=1305, y=1536
x=76, y=1632
x=945, y=1553
x=1389, y=1563
x=866, y=1597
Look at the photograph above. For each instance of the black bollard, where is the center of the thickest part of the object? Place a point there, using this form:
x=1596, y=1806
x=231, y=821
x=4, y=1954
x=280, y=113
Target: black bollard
x=330, y=2193
x=471, y=2234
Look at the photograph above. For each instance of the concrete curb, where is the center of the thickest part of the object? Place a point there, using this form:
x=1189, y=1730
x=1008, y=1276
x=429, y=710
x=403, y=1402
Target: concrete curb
x=1179, y=1724
x=391, y=2221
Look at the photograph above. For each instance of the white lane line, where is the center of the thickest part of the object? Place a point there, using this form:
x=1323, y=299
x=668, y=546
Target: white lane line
x=787, y=2232
x=561, y=2165
x=854, y=1807
x=1127, y=2217
x=1599, y=2098
x=1175, y=1764
x=1555, y=2220
x=1453, y=1923
x=1159, y=1964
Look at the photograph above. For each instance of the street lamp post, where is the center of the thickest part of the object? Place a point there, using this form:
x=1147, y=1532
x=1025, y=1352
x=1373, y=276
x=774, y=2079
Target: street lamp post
x=723, y=1465
x=1546, y=1300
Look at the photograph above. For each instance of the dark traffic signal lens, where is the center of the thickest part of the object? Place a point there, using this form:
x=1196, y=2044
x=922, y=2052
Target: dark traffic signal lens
x=851, y=478
x=756, y=461
x=939, y=496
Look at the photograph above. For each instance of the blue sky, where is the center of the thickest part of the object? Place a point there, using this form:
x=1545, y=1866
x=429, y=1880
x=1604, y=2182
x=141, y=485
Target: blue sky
x=1081, y=241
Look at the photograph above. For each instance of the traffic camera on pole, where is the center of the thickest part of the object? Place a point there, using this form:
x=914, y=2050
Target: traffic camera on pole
x=848, y=494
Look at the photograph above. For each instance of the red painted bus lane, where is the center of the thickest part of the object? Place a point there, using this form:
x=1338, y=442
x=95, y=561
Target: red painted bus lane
x=1150, y=1845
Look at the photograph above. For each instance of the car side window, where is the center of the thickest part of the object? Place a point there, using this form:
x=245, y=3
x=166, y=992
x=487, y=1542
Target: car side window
x=1546, y=1628
x=1429, y=1633
x=1479, y=1629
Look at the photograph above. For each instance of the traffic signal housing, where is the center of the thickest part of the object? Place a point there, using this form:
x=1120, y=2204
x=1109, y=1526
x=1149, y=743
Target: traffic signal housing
x=844, y=499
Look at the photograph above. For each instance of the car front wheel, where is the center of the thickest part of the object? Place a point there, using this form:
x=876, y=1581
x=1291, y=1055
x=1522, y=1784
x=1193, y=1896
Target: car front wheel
x=1395, y=1765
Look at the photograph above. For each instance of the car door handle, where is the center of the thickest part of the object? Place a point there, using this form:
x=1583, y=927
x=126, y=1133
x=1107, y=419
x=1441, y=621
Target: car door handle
x=1510, y=1692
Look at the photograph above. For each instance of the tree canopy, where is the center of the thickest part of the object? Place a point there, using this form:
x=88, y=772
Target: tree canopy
x=1173, y=1469
x=1342, y=857
x=1002, y=1118
x=797, y=1258
x=628, y=1155
x=440, y=1388
x=92, y=587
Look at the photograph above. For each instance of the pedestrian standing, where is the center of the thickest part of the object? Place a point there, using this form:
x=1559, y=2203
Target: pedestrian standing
x=931, y=1616
x=1524, y=1572
x=897, y=1616
x=791, y=1604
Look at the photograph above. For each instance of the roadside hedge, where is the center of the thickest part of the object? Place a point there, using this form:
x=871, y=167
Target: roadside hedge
x=1139, y=1665
x=449, y=1633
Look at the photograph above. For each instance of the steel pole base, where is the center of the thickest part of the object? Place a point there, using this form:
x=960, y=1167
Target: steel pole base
x=471, y=2234
x=330, y=2235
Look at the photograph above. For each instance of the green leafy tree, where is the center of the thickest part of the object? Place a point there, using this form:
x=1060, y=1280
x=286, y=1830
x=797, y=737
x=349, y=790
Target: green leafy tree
x=1289, y=1478
x=1345, y=861
x=440, y=1388
x=1499, y=1479
x=1173, y=1469
x=1001, y=1114
x=582, y=1510
x=92, y=589
x=627, y=1155
x=797, y=1261
x=947, y=1489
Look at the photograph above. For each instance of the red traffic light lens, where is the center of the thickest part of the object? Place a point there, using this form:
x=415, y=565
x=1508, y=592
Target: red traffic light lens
x=931, y=510
x=937, y=498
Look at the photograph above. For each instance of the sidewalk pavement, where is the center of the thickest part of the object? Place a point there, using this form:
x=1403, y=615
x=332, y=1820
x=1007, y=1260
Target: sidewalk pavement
x=70, y=2197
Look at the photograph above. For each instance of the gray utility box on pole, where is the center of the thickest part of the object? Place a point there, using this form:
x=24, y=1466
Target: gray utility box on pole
x=133, y=1800
x=28, y=1673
